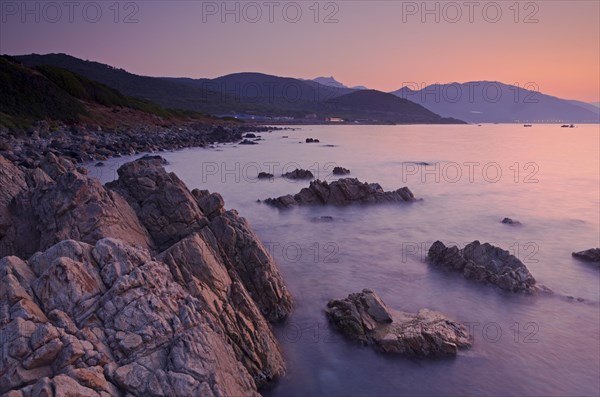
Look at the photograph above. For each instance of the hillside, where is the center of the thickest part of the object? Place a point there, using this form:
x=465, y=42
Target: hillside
x=494, y=102
x=55, y=94
x=386, y=108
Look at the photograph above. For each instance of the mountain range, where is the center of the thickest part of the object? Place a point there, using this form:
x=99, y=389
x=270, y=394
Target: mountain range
x=495, y=102
x=263, y=97
x=248, y=95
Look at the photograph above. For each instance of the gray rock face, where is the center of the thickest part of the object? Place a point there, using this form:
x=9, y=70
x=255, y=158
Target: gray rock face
x=364, y=317
x=485, y=263
x=342, y=192
x=179, y=304
x=591, y=255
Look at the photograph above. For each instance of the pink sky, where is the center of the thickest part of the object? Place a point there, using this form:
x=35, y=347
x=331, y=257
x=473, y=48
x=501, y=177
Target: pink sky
x=379, y=44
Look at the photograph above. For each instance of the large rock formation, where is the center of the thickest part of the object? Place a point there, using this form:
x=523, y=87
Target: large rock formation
x=153, y=290
x=364, y=317
x=485, y=263
x=342, y=192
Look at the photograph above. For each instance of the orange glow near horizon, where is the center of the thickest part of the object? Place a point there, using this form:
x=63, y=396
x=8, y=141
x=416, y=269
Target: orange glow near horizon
x=378, y=44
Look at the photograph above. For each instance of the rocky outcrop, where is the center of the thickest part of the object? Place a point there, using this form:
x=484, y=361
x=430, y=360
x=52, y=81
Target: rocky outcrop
x=63, y=203
x=591, y=255
x=485, y=263
x=363, y=317
x=106, y=320
x=312, y=140
x=342, y=192
x=179, y=304
x=511, y=222
x=340, y=171
x=298, y=174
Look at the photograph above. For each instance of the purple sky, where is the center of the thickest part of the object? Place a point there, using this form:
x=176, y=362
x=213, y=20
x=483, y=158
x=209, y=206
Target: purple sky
x=379, y=44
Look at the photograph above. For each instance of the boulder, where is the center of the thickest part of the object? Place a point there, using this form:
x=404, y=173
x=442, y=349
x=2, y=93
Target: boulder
x=485, y=263
x=312, y=140
x=363, y=317
x=342, y=192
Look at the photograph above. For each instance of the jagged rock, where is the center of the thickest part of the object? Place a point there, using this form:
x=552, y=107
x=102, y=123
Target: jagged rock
x=342, y=192
x=161, y=200
x=311, y=140
x=73, y=207
x=240, y=248
x=485, y=263
x=508, y=221
x=363, y=317
x=591, y=255
x=340, y=171
x=179, y=305
x=148, y=320
x=298, y=174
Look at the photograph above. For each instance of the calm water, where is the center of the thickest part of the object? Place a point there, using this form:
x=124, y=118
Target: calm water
x=544, y=176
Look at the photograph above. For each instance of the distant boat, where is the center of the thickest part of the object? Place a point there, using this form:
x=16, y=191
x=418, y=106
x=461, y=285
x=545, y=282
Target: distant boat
x=527, y=125
x=567, y=126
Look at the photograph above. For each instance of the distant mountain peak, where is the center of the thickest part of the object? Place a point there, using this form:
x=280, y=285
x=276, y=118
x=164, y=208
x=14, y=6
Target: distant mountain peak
x=329, y=81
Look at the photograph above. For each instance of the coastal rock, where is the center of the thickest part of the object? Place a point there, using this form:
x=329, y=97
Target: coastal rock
x=342, y=192
x=161, y=200
x=72, y=206
x=178, y=305
x=363, y=317
x=170, y=213
x=485, y=263
x=312, y=140
x=139, y=332
x=248, y=142
x=591, y=255
x=341, y=171
x=299, y=174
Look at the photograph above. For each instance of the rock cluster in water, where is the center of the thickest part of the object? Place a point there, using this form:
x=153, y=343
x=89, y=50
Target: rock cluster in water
x=342, y=192
x=591, y=255
x=140, y=287
x=364, y=317
x=484, y=263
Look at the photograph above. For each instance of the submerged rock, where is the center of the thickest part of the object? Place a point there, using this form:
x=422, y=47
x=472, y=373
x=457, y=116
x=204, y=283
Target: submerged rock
x=363, y=317
x=311, y=140
x=591, y=255
x=299, y=174
x=342, y=192
x=485, y=263
x=248, y=142
x=508, y=221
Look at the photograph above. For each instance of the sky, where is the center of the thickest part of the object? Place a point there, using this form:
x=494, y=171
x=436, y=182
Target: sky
x=379, y=44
